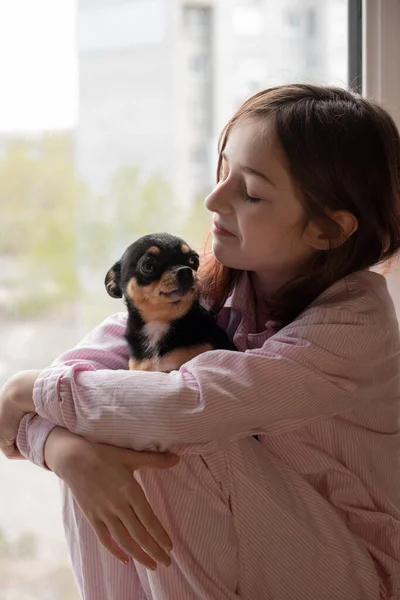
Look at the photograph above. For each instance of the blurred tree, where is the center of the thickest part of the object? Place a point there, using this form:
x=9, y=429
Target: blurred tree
x=4, y=545
x=131, y=208
x=62, y=237
x=141, y=206
x=159, y=210
x=197, y=224
x=62, y=584
x=26, y=546
x=39, y=198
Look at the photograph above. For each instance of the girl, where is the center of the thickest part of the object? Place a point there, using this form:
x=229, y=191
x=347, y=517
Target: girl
x=307, y=200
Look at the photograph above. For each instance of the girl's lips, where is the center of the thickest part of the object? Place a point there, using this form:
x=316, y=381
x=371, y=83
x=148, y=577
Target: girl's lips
x=217, y=230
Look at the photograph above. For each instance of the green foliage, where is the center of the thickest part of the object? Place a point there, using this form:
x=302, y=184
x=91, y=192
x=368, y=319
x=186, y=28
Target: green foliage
x=141, y=206
x=61, y=583
x=39, y=199
x=26, y=546
x=4, y=545
x=132, y=207
x=197, y=224
x=61, y=236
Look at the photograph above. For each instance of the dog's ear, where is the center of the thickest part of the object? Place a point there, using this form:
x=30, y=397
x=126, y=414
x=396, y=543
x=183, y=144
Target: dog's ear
x=112, y=281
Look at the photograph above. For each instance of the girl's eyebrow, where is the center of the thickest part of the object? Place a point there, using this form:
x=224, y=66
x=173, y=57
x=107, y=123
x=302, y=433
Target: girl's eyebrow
x=251, y=171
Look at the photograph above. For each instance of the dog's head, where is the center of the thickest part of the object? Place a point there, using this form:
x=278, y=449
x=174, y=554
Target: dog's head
x=157, y=276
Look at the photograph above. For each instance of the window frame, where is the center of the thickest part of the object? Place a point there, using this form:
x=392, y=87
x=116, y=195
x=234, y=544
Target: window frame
x=381, y=81
x=381, y=52
x=355, y=45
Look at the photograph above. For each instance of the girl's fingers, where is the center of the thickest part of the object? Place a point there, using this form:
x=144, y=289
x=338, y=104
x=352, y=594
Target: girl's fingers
x=108, y=542
x=145, y=514
x=137, y=531
x=11, y=451
x=124, y=540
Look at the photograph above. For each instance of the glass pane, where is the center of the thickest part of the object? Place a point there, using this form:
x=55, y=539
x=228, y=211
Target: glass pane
x=110, y=112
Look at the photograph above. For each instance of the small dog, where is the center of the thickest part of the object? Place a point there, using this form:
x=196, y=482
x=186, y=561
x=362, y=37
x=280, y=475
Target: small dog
x=167, y=326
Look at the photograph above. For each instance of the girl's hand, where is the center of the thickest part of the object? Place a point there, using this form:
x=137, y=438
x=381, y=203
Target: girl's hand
x=101, y=479
x=15, y=401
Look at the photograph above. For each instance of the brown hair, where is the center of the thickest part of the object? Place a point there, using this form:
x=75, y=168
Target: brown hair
x=343, y=153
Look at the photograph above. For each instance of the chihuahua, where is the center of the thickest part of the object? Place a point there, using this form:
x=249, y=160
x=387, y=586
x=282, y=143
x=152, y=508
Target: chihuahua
x=167, y=326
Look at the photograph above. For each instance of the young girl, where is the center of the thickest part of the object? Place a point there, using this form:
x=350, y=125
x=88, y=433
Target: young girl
x=307, y=199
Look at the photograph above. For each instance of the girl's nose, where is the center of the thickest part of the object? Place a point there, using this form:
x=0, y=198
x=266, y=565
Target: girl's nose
x=219, y=199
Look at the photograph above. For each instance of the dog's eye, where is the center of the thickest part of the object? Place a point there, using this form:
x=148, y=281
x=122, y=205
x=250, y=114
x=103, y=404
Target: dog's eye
x=148, y=267
x=194, y=261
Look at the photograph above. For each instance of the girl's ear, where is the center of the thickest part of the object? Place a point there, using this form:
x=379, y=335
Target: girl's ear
x=331, y=231
x=113, y=281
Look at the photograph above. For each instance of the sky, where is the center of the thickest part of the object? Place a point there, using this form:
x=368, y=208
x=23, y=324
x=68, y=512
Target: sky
x=38, y=66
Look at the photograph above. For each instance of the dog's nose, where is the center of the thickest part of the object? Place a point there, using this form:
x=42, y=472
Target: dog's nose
x=184, y=276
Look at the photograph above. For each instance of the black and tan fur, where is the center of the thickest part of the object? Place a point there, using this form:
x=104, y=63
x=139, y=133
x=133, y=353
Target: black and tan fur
x=167, y=326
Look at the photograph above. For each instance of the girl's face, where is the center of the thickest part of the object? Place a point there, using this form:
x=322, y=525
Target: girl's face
x=258, y=218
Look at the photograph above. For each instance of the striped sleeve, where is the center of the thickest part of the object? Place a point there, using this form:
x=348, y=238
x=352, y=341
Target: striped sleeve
x=326, y=362
x=32, y=436
x=103, y=348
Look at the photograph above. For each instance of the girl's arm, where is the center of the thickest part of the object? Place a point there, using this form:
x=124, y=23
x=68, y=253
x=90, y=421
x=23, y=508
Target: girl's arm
x=320, y=365
x=104, y=348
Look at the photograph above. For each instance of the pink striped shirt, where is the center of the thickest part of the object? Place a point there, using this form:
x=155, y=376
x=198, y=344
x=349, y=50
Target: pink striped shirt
x=310, y=511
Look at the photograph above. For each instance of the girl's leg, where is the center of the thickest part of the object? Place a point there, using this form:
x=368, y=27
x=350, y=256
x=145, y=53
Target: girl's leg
x=98, y=574
x=301, y=545
x=246, y=525
x=192, y=502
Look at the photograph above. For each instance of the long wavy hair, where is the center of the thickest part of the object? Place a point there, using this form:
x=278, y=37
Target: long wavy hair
x=343, y=153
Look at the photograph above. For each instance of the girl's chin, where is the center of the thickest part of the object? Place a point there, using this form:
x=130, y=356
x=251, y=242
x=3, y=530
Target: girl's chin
x=224, y=256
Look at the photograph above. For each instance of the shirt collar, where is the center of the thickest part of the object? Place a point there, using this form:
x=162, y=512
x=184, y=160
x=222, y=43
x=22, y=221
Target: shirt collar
x=242, y=298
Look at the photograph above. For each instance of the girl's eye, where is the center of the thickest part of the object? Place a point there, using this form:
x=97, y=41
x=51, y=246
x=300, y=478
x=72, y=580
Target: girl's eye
x=246, y=196
x=250, y=198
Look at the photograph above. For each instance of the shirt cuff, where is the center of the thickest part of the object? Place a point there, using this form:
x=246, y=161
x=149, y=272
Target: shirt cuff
x=32, y=436
x=45, y=390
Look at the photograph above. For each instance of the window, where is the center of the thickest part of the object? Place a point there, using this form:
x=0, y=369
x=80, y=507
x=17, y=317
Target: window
x=198, y=113
x=311, y=22
x=196, y=19
x=247, y=21
x=198, y=155
x=379, y=79
x=198, y=63
x=303, y=22
x=91, y=135
x=312, y=60
x=293, y=19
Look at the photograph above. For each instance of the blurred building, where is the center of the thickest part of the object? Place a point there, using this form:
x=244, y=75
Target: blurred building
x=260, y=43
x=159, y=78
x=145, y=90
